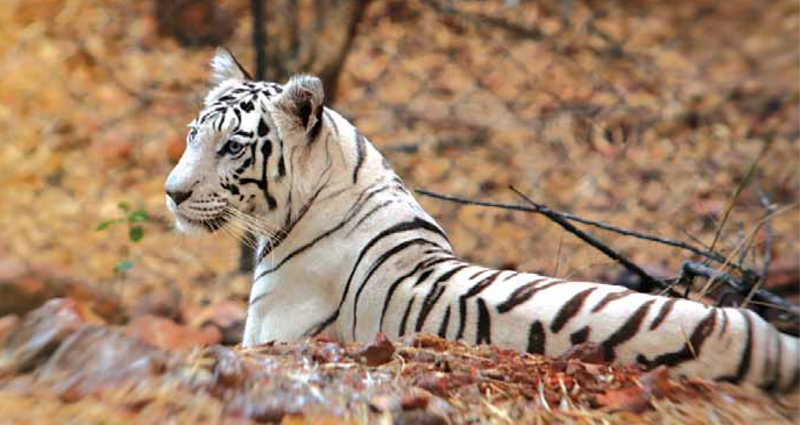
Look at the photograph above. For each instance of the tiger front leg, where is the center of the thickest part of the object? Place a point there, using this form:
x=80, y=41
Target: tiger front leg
x=279, y=312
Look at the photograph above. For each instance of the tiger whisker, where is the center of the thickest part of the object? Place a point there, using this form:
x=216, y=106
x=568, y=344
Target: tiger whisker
x=231, y=230
x=240, y=233
x=246, y=226
x=253, y=224
x=256, y=226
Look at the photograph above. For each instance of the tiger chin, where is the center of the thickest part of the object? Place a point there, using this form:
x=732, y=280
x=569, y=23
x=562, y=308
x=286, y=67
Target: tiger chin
x=344, y=250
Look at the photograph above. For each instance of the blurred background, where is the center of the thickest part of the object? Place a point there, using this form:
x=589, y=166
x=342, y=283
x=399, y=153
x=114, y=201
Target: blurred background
x=644, y=114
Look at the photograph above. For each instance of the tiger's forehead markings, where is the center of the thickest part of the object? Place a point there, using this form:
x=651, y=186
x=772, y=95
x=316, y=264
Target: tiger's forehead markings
x=238, y=99
x=246, y=92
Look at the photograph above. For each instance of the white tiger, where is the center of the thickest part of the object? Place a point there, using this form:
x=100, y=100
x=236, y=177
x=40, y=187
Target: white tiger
x=346, y=251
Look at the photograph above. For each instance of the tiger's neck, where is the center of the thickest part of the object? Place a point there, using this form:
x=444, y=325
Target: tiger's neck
x=300, y=288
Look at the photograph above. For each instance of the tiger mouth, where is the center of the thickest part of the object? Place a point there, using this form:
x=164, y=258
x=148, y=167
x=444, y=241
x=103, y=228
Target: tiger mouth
x=210, y=224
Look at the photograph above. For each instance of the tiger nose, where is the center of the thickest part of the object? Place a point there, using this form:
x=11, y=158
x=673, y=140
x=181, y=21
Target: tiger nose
x=178, y=196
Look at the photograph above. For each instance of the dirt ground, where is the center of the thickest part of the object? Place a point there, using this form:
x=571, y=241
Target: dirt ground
x=643, y=114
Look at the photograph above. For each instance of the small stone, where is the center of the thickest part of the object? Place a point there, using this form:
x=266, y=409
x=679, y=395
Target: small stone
x=415, y=400
x=587, y=352
x=378, y=352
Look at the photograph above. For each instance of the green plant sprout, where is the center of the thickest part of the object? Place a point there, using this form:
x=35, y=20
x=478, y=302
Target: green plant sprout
x=133, y=219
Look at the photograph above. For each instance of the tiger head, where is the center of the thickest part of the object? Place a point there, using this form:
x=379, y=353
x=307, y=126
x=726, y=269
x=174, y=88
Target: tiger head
x=239, y=149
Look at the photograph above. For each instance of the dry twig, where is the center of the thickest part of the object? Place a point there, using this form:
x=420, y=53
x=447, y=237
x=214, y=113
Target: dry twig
x=743, y=184
x=650, y=283
x=691, y=268
x=536, y=208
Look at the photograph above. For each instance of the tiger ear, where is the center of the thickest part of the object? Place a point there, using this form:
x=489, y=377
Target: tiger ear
x=225, y=67
x=302, y=101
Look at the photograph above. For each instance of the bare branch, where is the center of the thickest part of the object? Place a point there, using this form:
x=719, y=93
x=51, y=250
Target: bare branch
x=330, y=73
x=762, y=197
x=650, y=283
x=750, y=277
x=536, y=208
x=767, y=204
x=259, y=38
x=761, y=296
x=745, y=181
x=246, y=251
x=558, y=255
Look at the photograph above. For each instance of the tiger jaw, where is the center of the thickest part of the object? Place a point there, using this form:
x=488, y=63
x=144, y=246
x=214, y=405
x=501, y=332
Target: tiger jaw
x=189, y=223
x=210, y=225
